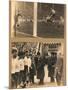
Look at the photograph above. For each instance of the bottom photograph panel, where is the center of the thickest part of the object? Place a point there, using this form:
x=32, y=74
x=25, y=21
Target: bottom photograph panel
x=35, y=64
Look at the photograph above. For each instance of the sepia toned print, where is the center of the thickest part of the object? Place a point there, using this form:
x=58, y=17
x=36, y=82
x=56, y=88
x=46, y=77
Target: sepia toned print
x=35, y=64
x=37, y=44
x=43, y=20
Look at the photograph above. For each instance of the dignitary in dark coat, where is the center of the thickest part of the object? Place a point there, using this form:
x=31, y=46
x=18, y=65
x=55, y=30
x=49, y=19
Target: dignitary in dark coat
x=51, y=65
x=43, y=60
x=36, y=59
x=32, y=72
x=59, y=69
x=40, y=70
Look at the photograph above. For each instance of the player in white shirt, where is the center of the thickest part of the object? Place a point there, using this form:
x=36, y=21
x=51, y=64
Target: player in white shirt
x=51, y=15
x=27, y=62
x=13, y=79
x=18, y=20
x=53, y=12
x=21, y=62
x=14, y=69
x=17, y=71
x=27, y=65
x=61, y=22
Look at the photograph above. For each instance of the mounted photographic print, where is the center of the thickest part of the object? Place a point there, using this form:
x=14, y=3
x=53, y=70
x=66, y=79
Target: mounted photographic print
x=37, y=44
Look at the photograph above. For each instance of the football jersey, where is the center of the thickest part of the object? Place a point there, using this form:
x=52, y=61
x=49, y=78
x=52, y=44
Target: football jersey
x=15, y=65
x=12, y=66
x=21, y=62
x=27, y=61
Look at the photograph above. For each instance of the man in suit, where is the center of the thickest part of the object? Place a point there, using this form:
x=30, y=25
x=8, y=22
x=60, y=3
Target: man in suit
x=51, y=65
x=36, y=59
x=59, y=68
x=32, y=72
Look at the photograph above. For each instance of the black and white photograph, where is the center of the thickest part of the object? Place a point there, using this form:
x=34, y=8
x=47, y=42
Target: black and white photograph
x=36, y=19
x=34, y=44
x=37, y=44
x=37, y=64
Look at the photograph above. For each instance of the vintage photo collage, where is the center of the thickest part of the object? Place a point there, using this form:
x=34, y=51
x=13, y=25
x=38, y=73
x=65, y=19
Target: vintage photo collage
x=37, y=44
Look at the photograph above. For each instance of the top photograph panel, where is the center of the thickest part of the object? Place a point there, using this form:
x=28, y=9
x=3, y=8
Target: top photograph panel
x=44, y=20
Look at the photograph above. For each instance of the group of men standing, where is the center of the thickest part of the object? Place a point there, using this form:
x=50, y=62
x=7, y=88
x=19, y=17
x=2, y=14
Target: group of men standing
x=22, y=69
x=25, y=66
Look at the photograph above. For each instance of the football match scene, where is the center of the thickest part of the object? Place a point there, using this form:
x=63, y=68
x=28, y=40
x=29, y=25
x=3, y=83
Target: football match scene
x=35, y=19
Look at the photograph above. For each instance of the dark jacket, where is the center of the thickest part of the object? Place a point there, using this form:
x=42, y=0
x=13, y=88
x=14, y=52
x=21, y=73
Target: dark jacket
x=40, y=68
x=51, y=66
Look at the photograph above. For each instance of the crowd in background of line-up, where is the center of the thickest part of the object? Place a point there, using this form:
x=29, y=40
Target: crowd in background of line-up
x=27, y=65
